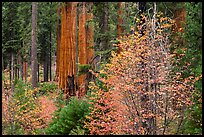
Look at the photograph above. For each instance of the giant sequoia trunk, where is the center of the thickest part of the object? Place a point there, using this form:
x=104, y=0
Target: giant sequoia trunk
x=67, y=52
x=34, y=47
x=82, y=47
x=86, y=43
x=67, y=49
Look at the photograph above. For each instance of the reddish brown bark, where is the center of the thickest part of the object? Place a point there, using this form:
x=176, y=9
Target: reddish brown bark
x=67, y=51
x=120, y=29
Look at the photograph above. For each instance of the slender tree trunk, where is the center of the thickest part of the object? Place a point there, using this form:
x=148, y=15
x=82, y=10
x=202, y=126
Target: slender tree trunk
x=25, y=66
x=89, y=41
x=104, y=23
x=77, y=52
x=34, y=46
x=45, y=68
x=10, y=70
x=38, y=74
x=12, y=73
x=20, y=68
x=50, y=63
x=58, y=45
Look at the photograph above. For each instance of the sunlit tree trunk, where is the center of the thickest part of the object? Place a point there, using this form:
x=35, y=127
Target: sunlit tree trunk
x=73, y=41
x=67, y=55
x=34, y=46
x=25, y=66
x=82, y=47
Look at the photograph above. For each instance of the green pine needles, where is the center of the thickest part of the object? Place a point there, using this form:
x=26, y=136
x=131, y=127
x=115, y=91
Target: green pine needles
x=69, y=120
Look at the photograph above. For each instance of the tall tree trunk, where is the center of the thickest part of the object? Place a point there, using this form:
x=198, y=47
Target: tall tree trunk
x=82, y=47
x=89, y=42
x=67, y=53
x=104, y=45
x=73, y=41
x=45, y=68
x=50, y=58
x=50, y=64
x=58, y=44
x=34, y=47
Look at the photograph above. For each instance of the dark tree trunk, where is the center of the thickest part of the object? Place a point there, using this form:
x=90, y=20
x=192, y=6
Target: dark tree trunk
x=10, y=70
x=20, y=68
x=15, y=68
x=50, y=64
x=34, y=47
x=2, y=67
x=38, y=72
x=50, y=43
x=45, y=68
x=104, y=45
x=104, y=27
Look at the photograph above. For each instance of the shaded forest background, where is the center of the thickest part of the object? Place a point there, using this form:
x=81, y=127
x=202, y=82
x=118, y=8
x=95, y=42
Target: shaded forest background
x=102, y=68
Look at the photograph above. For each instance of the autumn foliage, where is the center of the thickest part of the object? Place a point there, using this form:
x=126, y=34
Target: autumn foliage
x=25, y=111
x=140, y=96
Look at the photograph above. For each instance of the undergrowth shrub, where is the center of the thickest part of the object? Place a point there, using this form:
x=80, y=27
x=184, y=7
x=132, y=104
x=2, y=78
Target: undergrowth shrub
x=22, y=113
x=69, y=120
x=28, y=111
